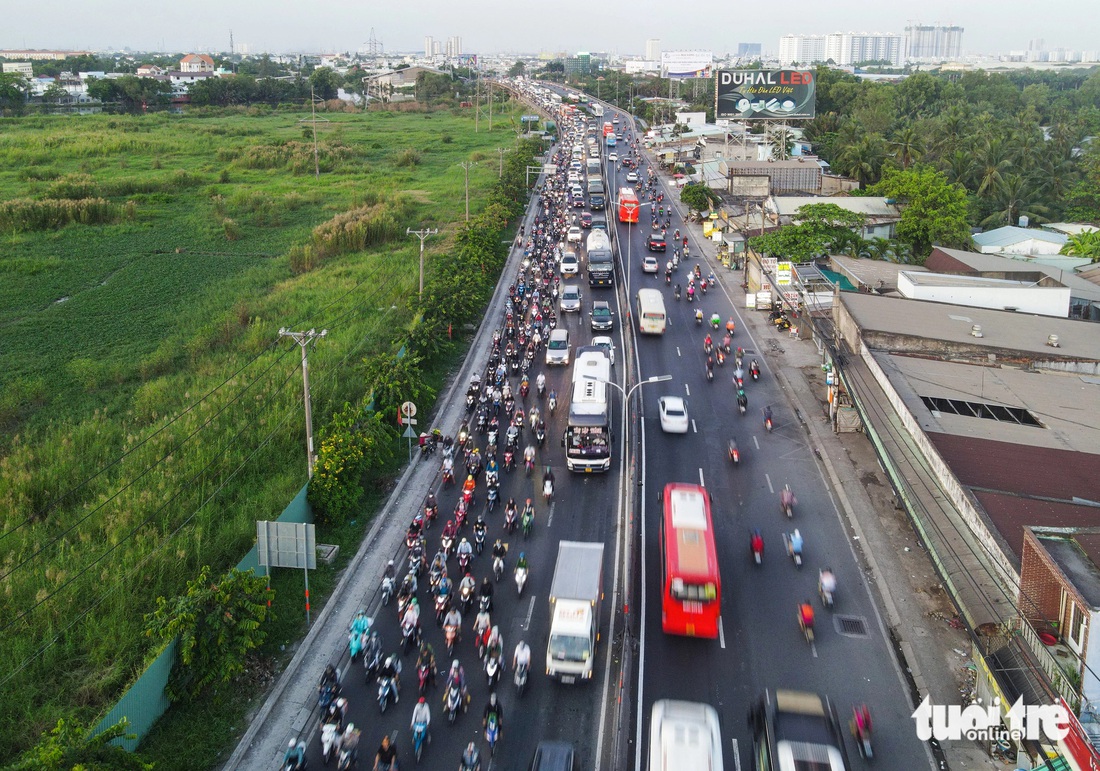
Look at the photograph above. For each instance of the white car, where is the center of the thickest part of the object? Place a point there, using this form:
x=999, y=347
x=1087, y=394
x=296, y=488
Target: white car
x=632, y=177
x=607, y=344
x=650, y=265
x=575, y=234
x=674, y=415
x=570, y=265
x=574, y=177
x=684, y=734
x=613, y=157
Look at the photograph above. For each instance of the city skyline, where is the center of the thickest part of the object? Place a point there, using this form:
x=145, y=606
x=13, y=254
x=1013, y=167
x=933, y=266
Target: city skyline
x=490, y=27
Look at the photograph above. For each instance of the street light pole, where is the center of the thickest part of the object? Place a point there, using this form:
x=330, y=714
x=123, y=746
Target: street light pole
x=628, y=393
x=421, y=234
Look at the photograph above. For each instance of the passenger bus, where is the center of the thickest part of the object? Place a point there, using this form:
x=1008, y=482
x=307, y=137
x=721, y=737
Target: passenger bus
x=608, y=128
x=691, y=590
x=651, y=312
x=588, y=429
x=611, y=140
x=628, y=205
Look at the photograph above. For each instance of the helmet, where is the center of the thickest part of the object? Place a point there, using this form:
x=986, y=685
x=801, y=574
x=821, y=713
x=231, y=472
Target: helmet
x=350, y=728
x=450, y=523
x=469, y=477
x=415, y=602
x=493, y=698
x=422, y=700
x=291, y=745
x=391, y=563
x=455, y=664
x=522, y=555
x=463, y=540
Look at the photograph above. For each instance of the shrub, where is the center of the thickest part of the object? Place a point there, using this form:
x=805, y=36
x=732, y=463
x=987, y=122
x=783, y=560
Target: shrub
x=73, y=187
x=232, y=229
x=50, y=214
x=407, y=157
x=446, y=138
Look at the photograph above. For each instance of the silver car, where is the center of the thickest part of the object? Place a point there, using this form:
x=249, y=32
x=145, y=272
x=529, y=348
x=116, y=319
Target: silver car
x=557, y=347
x=570, y=301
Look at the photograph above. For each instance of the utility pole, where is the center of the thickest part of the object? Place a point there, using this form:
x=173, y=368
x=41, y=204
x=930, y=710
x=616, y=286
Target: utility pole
x=421, y=234
x=500, y=170
x=304, y=340
x=466, y=166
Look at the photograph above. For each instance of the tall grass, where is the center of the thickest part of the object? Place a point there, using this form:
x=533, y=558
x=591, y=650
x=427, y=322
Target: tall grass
x=51, y=213
x=117, y=480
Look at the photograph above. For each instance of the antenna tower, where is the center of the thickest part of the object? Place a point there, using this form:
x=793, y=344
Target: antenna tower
x=231, y=50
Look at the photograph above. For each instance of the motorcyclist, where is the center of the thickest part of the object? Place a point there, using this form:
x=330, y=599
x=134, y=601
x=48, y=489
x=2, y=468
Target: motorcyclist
x=786, y=498
x=757, y=542
x=386, y=758
x=480, y=527
x=421, y=714
x=715, y=320
x=796, y=542
x=450, y=530
x=730, y=326
x=676, y=292
x=349, y=742
x=522, y=655
x=767, y=414
x=464, y=547
x=453, y=618
x=494, y=709
x=391, y=668
x=806, y=615
x=487, y=590
x=471, y=758
x=408, y=588
x=529, y=454
x=412, y=614
x=698, y=311
x=439, y=562
x=457, y=676
x=521, y=563
x=467, y=584
x=482, y=624
x=295, y=754
x=742, y=400
x=540, y=382
x=491, y=466
x=330, y=677
x=827, y=581
x=691, y=296
x=708, y=342
x=336, y=713
x=444, y=587
x=528, y=511
x=390, y=571
x=469, y=485
x=495, y=645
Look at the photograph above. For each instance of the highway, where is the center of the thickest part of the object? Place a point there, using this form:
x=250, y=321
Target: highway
x=760, y=645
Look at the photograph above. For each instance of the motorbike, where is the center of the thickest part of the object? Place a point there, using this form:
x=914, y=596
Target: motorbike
x=448, y=543
x=768, y=423
x=326, y=695
x=420, y=733
x=448, y=476
x=372, y=660
x=386, y=693
x=520, y=679
x=471, y=400
x=756, y=545
x=510, y=521
x=463, y=562
x=742, y=404
x=860, y=726
x=787, y=501
x=485, y=602
x=553, y=404
x=754, y=370
x=442, y=605
x=710, y=374
x=708, y=346
x=492, y=478
x=528, y=520
x=826, y=594
x=528, y=466
x=454, y=701
x=491, y=498
x=491, y=437
x=509, y=459
x=548, y=489
x=330, y=741
x=521, y=580
x=794, y=547
x=492, y=733
x=292, y=764
x=479, y=541
x=498, y=567
x=540, y=433
x=492, y=670
x=734, y=453
x=450, y=634
x=466, y=599
x=408, y=637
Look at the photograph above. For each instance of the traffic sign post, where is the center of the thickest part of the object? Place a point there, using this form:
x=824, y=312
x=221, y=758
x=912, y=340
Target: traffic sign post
x=408, y=412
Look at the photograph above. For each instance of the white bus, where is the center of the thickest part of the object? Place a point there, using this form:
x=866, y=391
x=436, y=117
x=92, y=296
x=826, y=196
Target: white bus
x=651, y=312
x=588, y=430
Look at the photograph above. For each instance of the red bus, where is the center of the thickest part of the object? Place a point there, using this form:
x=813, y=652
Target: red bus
x=691, y=590
x=628, y=205
x=608, y=128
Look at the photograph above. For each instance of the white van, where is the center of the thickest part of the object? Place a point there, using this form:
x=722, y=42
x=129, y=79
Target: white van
x=684, y=736
x=651, y=312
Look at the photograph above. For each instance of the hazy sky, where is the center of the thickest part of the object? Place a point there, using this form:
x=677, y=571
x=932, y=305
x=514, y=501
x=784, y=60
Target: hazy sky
x=991, y=26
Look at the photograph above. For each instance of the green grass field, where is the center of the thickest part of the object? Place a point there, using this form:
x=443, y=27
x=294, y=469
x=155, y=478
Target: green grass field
x=118, y=479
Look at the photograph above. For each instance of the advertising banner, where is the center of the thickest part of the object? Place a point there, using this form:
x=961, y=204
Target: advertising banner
x=765, y=94
x=682, y=65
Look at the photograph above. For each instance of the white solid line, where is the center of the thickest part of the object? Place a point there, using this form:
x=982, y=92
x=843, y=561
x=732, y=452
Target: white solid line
x=701, y=482
x=756, y=442
x=770, y=488
x=736, y=755
x=694, y=430
x=530, y=610
x=813, y=649
x=721, y=633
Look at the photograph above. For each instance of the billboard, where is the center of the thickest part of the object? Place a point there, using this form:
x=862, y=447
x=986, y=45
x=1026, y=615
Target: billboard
x=681, y=65
x=764, y=94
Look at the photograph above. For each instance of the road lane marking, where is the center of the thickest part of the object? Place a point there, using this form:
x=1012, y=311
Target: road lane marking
x=701, y=482
x=736, y=755
x=687, y=390
x=756, y=441
x=694, y=430
x=530, y=610
x=770, y=488
x=550, y=516
x=678, y=351
x=721, y=633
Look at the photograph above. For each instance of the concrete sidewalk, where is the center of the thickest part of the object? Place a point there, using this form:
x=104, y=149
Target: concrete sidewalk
x=932, y=652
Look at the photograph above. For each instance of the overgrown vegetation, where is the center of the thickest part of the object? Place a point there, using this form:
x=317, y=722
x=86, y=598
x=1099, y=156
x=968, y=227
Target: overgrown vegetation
x=151, y=411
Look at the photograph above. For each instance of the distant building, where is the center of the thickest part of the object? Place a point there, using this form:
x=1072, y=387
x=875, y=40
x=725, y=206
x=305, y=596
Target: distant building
x=653, y=49
x=41, y=55
x=581, y=64
x=748, y=50
x=454, y=47
x=150, y=71
x=429, y=46
x=932, y=43
x=844, y=49
x=196, y=63
x=22, y=68
x=1013, y=240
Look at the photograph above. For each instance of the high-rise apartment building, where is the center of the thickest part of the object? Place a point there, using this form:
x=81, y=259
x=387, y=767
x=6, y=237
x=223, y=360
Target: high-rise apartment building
x=429, y=46
x=842, y=48
x=932, y=43
x=653, y=49
x=454, y=46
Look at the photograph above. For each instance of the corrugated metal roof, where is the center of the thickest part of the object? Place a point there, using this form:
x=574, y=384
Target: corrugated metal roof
x=1010, y=234
x=870, y=206
x=1011, y=513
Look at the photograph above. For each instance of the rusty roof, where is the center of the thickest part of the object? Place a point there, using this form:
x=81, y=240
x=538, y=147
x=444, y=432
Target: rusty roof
x=1010, y=514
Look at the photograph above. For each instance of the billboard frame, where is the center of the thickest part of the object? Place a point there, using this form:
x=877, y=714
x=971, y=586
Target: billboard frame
x=751, y=95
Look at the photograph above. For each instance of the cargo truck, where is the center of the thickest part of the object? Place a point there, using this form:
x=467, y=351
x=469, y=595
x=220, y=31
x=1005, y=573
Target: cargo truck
x=575, y=597
x=601, y=262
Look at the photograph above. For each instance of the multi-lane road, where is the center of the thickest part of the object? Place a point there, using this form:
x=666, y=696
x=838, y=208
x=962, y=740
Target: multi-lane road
x=760, y=645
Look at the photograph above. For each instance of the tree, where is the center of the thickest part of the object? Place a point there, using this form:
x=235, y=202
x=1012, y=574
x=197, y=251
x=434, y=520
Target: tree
x=935, y=210
x=13, y=91
x=908, y=147
x=1016, y=197
x=517, y=69
x=820, y=229
x=326, y=82
x=69, y=746
x=698, y=197
x=218, y=625
x=55, y=93
x=349, y=445
x=863, y=160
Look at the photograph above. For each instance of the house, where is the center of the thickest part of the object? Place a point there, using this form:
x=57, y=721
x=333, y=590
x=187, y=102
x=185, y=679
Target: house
x=196, y=63
x=880, y=215
x=150, y=71
x=383, y=85
x=1070, y=228
x=20, y=68
x=1014, y=240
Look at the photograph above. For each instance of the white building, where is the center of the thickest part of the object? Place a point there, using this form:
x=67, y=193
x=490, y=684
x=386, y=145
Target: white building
x=454, y=47
x=653, y=49
x=932, y=43
x=22, y=68
x=801, y=49
x=842, y=48
x=429, y=46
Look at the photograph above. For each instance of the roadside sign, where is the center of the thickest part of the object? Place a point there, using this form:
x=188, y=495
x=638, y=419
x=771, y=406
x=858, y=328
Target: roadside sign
x=410, y=434
x=529, y=119
x=550, y=168
x=408, y=409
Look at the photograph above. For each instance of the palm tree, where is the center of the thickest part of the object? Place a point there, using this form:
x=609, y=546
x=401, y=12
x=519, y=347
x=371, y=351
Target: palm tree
x=908, y=147
x=863, y=160
x=1014, y=197
x=958, y=166
x=880, y=248
x=992, y=161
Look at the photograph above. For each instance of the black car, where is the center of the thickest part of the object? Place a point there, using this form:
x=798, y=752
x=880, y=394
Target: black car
x=603, y=318
x=553, y=756
x=586, y=219
x=656, y=242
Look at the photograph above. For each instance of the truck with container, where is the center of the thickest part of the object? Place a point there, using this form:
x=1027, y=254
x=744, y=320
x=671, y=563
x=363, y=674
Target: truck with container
x=601, y=262
x=596, y=192
x=575, y=598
